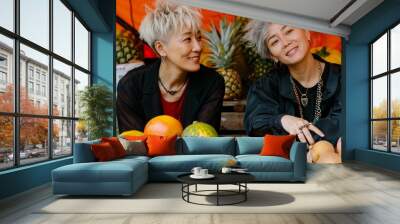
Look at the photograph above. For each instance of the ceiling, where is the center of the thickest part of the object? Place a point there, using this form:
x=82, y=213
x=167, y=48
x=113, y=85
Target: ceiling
x=328, y=16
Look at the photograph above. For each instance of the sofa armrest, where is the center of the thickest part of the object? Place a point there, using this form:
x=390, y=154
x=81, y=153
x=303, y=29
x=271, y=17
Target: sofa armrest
x=83, y=152
x=298, y=155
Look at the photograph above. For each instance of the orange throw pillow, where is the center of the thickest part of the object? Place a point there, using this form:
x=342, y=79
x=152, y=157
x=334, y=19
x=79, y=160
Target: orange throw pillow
x=136, y=138
x=116, y=145
x=161, y=145
x=103, y=152
x=277, y=145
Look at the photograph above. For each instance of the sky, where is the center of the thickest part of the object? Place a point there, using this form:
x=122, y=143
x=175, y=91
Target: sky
x=379, y=58
x=34, y=26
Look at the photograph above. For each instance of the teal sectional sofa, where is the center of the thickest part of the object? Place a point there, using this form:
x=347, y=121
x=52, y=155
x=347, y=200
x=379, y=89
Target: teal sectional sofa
x=125, y=176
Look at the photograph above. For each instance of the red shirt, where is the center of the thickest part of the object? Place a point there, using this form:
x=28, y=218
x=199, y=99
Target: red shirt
x=174, y=109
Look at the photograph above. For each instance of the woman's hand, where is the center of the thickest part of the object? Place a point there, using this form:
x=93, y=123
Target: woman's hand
x=300, y=127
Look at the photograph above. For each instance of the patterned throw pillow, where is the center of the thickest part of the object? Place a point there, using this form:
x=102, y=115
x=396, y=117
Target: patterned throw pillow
x=134, y=147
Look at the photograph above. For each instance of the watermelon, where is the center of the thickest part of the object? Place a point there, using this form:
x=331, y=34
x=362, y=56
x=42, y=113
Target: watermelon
x=199, y=129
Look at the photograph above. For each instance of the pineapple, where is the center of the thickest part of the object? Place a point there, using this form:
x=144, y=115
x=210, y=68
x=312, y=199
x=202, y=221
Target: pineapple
x=258, y=65
x=224, y=46
x=127, y=47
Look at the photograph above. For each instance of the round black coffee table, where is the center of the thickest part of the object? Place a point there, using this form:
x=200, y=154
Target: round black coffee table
x=238, y=179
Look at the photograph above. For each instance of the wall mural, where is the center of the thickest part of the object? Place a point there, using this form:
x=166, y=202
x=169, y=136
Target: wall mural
x=240, y=69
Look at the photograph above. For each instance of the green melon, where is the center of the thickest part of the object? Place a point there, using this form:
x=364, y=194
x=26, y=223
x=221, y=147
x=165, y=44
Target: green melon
x=199, y=129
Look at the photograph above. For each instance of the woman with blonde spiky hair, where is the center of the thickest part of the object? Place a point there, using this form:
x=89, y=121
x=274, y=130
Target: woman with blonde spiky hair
x=301, y=96
x=176, y=84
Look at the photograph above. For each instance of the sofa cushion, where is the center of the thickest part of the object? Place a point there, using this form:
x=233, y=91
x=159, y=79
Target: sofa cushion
x=257, y=163
x=112, y=171
x=129, y=159
x=209, y=145
x=249, y=145
x=185, y=163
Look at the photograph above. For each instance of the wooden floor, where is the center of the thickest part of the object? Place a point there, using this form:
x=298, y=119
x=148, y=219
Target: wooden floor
x=378, y=189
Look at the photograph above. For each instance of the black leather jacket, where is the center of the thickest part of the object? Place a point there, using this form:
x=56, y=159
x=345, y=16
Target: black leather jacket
x=271, y=97
x=138, y=97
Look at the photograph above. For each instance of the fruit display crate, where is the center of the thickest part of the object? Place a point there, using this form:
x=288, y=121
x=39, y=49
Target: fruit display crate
x=232, y=118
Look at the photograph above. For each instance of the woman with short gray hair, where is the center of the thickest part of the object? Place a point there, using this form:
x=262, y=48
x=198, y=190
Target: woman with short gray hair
x=176, y=84
x=301, y=96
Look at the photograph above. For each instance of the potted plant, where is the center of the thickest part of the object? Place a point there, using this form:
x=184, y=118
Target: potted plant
x=96, y=104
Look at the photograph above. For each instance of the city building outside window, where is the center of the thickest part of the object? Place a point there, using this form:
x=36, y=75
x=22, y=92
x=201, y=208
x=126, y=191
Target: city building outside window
x=3, y=78
x=37, y=75
x=43, y=90
x=3, y=61
x=3, y=71
x=38, y=89
x=44, y=77
x=30, y=72
x=30, y=87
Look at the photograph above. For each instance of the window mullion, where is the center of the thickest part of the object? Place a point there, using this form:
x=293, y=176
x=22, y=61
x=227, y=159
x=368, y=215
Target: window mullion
x=389, y=106
x=50, y=81
x=371, y=89
x=16, y=84
x=73, y=83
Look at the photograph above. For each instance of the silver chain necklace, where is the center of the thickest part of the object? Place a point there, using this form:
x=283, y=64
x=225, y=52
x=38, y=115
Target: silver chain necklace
x=303, y=100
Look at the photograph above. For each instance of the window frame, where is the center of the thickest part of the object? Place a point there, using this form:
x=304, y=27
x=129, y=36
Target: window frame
x=51, y=118
x=388, y=74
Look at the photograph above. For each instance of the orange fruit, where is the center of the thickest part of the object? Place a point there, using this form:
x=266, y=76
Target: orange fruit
x=163, y=125
x=131, y=133
x=324, y=152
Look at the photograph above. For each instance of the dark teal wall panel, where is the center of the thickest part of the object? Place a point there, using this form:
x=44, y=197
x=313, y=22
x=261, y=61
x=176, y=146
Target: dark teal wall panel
x=24, y=178
x=357, y=100
x=103, y=59
x=89, y=11
x=103, y=62
x=381, y=159
x=375, y=22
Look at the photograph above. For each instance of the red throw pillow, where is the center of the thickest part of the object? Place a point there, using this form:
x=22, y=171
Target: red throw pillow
x=277, y=145
x=103, y=152
x=161, y=145
x=116, y=145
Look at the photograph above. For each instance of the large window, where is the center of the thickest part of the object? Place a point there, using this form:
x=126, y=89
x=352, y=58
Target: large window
x=385, y=93
x=44, y=64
